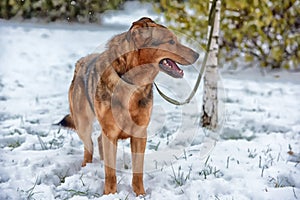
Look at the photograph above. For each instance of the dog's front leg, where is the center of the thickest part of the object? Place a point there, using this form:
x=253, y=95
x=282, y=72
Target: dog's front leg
x=138, y=146
x=100, y=147
x=109, y=154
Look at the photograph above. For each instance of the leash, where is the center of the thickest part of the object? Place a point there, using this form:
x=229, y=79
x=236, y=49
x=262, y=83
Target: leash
x=211, y=20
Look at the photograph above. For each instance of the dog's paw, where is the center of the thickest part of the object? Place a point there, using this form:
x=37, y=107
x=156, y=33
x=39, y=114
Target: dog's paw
x=140, y=192
x=141, y=197
x=84, y=162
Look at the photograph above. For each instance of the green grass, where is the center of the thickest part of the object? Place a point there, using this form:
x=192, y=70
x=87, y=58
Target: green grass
x=179, y=177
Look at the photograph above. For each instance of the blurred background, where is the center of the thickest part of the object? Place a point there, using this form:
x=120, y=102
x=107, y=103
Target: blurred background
x=262, y=33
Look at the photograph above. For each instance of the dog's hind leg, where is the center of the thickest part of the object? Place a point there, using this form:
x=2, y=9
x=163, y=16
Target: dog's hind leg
x=88, y=153
x=83, y=120
x=85, y=135
x=83, y=117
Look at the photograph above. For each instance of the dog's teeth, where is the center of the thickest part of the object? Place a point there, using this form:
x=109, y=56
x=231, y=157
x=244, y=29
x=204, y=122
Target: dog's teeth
x=165, y=62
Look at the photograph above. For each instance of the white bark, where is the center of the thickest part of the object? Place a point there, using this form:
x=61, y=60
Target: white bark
x=209, y=118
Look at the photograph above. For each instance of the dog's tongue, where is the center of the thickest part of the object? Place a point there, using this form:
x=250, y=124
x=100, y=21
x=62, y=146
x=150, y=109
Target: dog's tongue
x=174, y=66
x=170, y=67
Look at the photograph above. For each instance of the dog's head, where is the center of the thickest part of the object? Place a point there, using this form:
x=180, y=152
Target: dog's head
x=158, y=45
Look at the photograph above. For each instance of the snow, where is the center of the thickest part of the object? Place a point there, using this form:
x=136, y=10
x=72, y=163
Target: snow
x=250, y=159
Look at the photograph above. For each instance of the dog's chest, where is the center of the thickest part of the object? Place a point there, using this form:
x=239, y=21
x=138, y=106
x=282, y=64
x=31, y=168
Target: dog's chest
x=132, y=107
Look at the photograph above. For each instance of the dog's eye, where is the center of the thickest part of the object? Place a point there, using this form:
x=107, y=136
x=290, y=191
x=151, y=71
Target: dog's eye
x=171, y=42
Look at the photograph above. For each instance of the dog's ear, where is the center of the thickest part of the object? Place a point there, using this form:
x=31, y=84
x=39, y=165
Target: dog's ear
x=140, y=32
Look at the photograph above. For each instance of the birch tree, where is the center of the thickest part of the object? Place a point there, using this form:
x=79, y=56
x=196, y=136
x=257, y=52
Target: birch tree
x=209, y=118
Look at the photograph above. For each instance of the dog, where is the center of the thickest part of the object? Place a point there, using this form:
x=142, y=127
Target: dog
x=115, y=87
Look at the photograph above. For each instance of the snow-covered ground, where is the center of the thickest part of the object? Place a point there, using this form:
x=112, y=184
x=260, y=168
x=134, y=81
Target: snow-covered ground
x=256, y=156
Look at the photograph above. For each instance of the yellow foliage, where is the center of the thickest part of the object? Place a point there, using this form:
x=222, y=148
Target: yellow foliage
x=266, y=31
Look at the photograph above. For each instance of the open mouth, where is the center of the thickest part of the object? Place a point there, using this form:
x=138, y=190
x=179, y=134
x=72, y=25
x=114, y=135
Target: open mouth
x=171, y=68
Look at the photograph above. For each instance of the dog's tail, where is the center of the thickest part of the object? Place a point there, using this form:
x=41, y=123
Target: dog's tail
x=67, y=122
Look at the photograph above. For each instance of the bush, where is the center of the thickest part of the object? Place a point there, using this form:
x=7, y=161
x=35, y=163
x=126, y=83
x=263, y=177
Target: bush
x=265, y=31
x=52, y=10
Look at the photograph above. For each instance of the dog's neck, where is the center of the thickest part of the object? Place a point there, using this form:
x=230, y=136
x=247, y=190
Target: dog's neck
x=141, y=75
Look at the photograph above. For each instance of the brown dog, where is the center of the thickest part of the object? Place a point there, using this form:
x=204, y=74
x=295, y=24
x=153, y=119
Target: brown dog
x=116, y=87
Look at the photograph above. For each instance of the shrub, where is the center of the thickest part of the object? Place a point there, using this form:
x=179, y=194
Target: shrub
x=265, y=31
x=52, y=10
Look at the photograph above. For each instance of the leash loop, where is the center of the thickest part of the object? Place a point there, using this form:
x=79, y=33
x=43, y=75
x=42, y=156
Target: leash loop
x=211, y=20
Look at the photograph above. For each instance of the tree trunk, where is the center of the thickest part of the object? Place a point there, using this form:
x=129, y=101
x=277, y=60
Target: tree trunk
x=209, y=118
